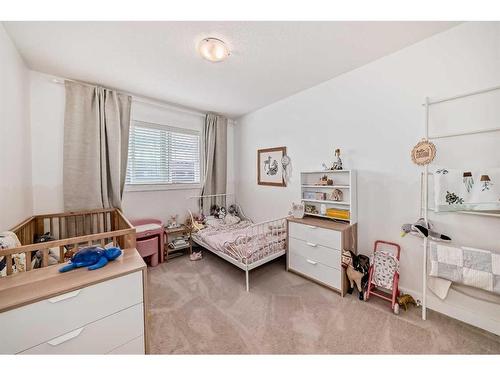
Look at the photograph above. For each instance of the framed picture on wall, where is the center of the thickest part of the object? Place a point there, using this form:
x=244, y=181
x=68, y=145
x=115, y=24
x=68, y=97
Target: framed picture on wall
x=269, y=168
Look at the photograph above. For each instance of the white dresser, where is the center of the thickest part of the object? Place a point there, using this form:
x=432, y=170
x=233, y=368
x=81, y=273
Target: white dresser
x=79, y=312
x=314, y=250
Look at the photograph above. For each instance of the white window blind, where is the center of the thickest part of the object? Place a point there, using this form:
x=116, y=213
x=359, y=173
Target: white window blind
x=162, y=155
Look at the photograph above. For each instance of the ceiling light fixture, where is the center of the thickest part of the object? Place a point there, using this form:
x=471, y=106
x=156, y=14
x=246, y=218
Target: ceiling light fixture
x=213, y=49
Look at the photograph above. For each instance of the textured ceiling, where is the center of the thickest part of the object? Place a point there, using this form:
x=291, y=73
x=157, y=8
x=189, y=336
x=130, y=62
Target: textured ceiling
x=269, y=60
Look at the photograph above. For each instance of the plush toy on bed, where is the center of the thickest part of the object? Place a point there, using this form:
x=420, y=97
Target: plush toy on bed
x=232, y=216
x=218, y=212
x=93, y=257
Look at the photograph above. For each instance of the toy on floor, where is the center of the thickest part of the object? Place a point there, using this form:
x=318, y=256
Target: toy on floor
x=405, y=300
x=384, y=273
x=420, y=228
x=196, y=255
x=356, y=267
x=93, y=257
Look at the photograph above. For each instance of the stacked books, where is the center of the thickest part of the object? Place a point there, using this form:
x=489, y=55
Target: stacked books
x=335, y=213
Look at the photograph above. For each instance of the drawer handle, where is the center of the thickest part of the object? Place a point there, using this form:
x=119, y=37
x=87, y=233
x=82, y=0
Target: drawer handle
x=312, y=226
x=311, y=244
x=68, y=336
x=65, y=296
x=311, y=261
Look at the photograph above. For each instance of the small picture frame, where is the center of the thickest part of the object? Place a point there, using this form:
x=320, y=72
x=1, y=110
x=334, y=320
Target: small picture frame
x=269, y=168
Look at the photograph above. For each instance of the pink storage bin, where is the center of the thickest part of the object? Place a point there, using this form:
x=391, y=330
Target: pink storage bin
x=149, y=239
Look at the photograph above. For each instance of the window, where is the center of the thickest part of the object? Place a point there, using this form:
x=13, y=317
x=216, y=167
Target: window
x=162, y=155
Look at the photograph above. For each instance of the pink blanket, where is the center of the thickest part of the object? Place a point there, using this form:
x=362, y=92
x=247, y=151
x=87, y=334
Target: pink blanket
x=219, y=236
x=238, y=241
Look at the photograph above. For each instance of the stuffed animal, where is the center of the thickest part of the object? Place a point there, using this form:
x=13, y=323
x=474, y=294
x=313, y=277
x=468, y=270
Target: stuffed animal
x=93, y=257
x=218, y=212
x=233, y=210
x=336, y=195
x=356, y=270
x=37, y=256
x=38, y=259
x=9, y=240
x=214, y=210
x=354, y=278
x=46, y=237
x=404, y=300
x=423, y=229
x=222, y=213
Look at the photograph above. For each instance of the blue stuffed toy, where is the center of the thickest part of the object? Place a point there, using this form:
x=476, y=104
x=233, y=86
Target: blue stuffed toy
x=93, y=257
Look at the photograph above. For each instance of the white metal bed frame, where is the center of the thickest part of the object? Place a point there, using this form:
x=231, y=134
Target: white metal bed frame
x=425, y=187
x=272, y=227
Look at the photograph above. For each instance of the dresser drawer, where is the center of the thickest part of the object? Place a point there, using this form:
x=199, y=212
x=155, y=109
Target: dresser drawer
x=315, y=270
x=325, y=255
x=33, y=324
x=136, y=346
x=316, y=235
x=99, y=337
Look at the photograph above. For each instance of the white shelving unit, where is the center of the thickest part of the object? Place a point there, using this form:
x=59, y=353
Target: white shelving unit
x=344, y=180
x=424, y=197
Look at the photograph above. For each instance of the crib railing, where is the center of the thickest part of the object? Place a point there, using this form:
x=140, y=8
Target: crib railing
x=260, y=241
x=71, y=231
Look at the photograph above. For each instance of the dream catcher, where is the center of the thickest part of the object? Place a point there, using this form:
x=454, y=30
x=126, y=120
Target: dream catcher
x=285, y=163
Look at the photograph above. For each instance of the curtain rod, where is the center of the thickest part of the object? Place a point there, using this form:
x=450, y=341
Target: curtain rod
x=137, y=98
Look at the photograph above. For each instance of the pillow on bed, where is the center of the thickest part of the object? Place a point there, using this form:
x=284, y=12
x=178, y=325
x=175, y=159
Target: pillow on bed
x=231, y=219
x=213, y=221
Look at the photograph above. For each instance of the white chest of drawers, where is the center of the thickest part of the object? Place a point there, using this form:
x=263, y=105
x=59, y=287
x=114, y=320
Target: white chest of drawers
x=315, y=249
x=79, y=312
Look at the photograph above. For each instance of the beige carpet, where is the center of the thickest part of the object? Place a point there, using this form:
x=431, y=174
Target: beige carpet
x=202, y=308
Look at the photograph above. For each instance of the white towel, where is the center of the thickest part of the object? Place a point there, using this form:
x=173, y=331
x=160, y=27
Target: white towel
x=438, y=286
x=471, y=190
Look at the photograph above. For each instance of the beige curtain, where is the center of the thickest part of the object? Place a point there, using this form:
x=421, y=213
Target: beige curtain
x=96, y=132
x=215, y=156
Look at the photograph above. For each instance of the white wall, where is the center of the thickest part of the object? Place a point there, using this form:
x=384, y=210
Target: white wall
x=374, y=115
x=15, y=154
x=47, y=133
x=47, y=109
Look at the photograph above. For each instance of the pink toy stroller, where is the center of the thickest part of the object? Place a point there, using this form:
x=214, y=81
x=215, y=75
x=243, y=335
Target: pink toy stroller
x=384, y=273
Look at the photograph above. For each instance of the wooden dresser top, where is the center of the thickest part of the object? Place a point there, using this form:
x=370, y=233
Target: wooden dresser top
x=321, y=223
x=28, y=287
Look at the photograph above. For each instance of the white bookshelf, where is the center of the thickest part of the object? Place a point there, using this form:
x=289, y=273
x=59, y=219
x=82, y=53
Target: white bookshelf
x=344, y=180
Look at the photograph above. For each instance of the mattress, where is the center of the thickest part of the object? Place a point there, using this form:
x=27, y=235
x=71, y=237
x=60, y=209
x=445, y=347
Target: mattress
x=240, y=242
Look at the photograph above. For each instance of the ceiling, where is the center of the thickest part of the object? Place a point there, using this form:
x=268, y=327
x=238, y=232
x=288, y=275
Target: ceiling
x=269, y=60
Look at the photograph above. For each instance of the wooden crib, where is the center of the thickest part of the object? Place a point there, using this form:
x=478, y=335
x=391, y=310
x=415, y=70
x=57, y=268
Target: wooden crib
x=71, y=231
